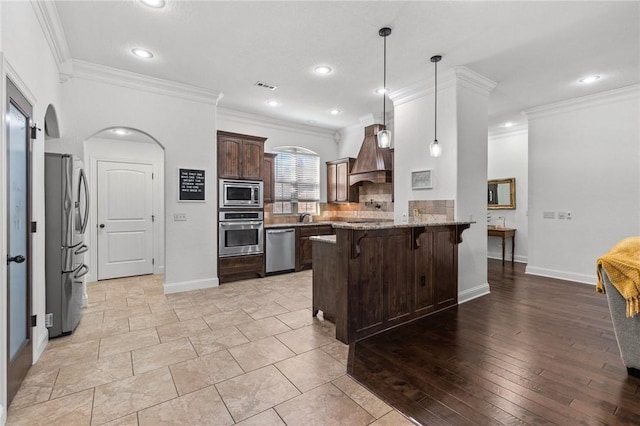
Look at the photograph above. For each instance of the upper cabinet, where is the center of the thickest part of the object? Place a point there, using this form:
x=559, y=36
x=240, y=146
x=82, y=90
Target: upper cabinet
x=268, y=177
x=240, y=156
x=338, y=189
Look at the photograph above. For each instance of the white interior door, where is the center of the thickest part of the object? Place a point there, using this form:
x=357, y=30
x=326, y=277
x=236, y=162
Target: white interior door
x=125, y=231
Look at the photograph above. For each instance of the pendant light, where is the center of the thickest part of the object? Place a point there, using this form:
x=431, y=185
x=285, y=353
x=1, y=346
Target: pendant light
x=435, y=148
x=384, y=136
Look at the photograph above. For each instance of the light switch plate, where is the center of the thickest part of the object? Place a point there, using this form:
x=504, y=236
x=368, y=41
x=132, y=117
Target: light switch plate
x=548, y=215
x=179, y=217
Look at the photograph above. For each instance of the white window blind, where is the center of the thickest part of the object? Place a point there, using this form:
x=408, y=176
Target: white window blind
x=297, y=181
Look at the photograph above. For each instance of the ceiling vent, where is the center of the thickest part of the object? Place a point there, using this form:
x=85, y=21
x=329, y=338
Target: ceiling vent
x=266, y=85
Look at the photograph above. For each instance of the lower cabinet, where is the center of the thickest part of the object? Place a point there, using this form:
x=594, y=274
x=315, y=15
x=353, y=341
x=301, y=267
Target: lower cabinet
x=387, y=277
x=304, y=250
x=381, y=278
x=240, y=267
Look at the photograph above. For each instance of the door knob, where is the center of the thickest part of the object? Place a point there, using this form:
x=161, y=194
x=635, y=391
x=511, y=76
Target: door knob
x=102, y=225
x=18, y=259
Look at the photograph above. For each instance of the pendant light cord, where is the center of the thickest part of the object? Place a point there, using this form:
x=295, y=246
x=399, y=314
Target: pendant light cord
x=435, y=109
x=384, y=84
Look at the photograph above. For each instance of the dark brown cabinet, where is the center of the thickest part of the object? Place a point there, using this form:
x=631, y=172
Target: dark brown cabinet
x=386, y=277
x=382, y=279
x=304, y=251
x=269, y=177
x=240, y=267
x=240, y=156
x=338, y=189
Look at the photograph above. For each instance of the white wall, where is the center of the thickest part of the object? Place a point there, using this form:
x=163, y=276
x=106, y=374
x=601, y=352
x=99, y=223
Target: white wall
x=186, y=129
x=460, y=174
x=509, y=157
x=414, y=131
x=128, y=151
x=281, y=133
x=25, y=57
x=584, y=157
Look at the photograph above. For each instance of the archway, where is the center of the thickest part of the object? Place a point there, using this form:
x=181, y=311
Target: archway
x=134, y=160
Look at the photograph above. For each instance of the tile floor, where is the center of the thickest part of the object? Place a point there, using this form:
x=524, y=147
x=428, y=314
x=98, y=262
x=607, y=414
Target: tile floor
x=245, y=353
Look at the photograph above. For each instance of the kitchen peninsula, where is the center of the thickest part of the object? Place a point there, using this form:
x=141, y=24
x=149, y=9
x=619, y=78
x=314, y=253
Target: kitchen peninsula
x=374, y=276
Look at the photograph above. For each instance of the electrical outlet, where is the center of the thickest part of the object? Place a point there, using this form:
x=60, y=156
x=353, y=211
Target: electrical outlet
x=568, y=215
x=179, y=217
x=416, y=212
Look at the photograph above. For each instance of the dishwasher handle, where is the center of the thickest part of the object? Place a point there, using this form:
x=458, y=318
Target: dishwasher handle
x=282, y=231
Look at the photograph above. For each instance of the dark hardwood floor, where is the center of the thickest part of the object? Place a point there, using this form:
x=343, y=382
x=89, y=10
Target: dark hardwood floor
x=534, y=351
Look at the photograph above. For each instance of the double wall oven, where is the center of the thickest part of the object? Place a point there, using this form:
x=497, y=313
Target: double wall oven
x=240, y=220
x=240, y=233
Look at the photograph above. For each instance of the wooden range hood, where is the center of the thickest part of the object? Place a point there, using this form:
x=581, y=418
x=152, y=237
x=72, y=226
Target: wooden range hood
x=373, y=163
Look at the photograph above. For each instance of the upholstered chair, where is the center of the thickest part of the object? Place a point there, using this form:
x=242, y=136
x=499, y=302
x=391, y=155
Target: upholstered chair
x=627, y=329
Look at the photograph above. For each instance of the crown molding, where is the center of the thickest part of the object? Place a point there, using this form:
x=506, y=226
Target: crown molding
x=474, y=81
x=575, y=104
x=131, y=80
x=273, y=123
x=459, y=75
x=521, y=129
x=49, y=21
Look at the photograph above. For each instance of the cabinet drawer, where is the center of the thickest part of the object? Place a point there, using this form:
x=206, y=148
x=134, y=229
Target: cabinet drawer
x=308, y=231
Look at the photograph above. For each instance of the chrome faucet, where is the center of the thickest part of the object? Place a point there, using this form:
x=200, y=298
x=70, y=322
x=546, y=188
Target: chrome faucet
x=302, y=216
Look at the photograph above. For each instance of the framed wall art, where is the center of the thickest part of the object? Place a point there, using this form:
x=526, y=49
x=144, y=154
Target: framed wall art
x=422, y=179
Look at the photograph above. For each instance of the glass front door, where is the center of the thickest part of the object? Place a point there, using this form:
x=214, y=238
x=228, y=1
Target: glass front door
x=18, y=247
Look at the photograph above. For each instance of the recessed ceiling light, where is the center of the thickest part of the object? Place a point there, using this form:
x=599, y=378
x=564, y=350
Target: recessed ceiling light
x=335, y=111
x=323, y=69
x=142, y=53
x=157, y=4
x=382, y=90
x=273, y=103
x=120, y=132
x=509, y=124
x=589, y=79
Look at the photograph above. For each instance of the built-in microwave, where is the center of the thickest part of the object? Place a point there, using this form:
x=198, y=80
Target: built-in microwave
x=240, y=194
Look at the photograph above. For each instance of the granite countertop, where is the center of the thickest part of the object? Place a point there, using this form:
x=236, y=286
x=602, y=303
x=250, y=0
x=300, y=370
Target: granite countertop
x=331, y=239
x=390, y=225
x=360, y=226
x=295, y=224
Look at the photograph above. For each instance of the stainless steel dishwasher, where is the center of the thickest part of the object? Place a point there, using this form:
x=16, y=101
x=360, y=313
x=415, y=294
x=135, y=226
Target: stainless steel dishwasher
x=280, y=249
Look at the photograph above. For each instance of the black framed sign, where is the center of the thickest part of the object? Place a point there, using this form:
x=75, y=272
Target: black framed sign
x=191, y=185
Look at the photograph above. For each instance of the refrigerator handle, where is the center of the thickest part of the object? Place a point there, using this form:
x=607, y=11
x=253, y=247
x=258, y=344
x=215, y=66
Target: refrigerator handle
x=81, y=271
x=83, y=183
x=82, y=249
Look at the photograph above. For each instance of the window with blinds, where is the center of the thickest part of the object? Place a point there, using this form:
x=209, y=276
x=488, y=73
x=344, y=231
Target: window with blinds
x=297, y=181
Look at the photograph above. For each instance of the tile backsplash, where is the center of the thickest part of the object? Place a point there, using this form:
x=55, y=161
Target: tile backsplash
x=431, y=210
x=375, y=203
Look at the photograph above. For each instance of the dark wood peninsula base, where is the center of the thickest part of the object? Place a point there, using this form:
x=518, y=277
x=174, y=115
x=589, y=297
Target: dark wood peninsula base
x=385, y=275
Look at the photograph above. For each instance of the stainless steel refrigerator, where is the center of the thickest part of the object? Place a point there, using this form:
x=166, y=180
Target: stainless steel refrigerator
x=66, y=216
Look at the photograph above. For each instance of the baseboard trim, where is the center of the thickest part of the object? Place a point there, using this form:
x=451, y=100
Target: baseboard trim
x=473, y=293
x=561, y=275
x=507, y=258
x=43, y=341
x=179, y=287
x=3, y=416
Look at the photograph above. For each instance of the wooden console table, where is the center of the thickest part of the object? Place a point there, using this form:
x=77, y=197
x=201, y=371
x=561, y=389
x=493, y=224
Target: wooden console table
x=505, y=233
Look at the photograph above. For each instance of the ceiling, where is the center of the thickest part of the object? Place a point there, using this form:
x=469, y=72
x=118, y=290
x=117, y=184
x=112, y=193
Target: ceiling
x=536, y=51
